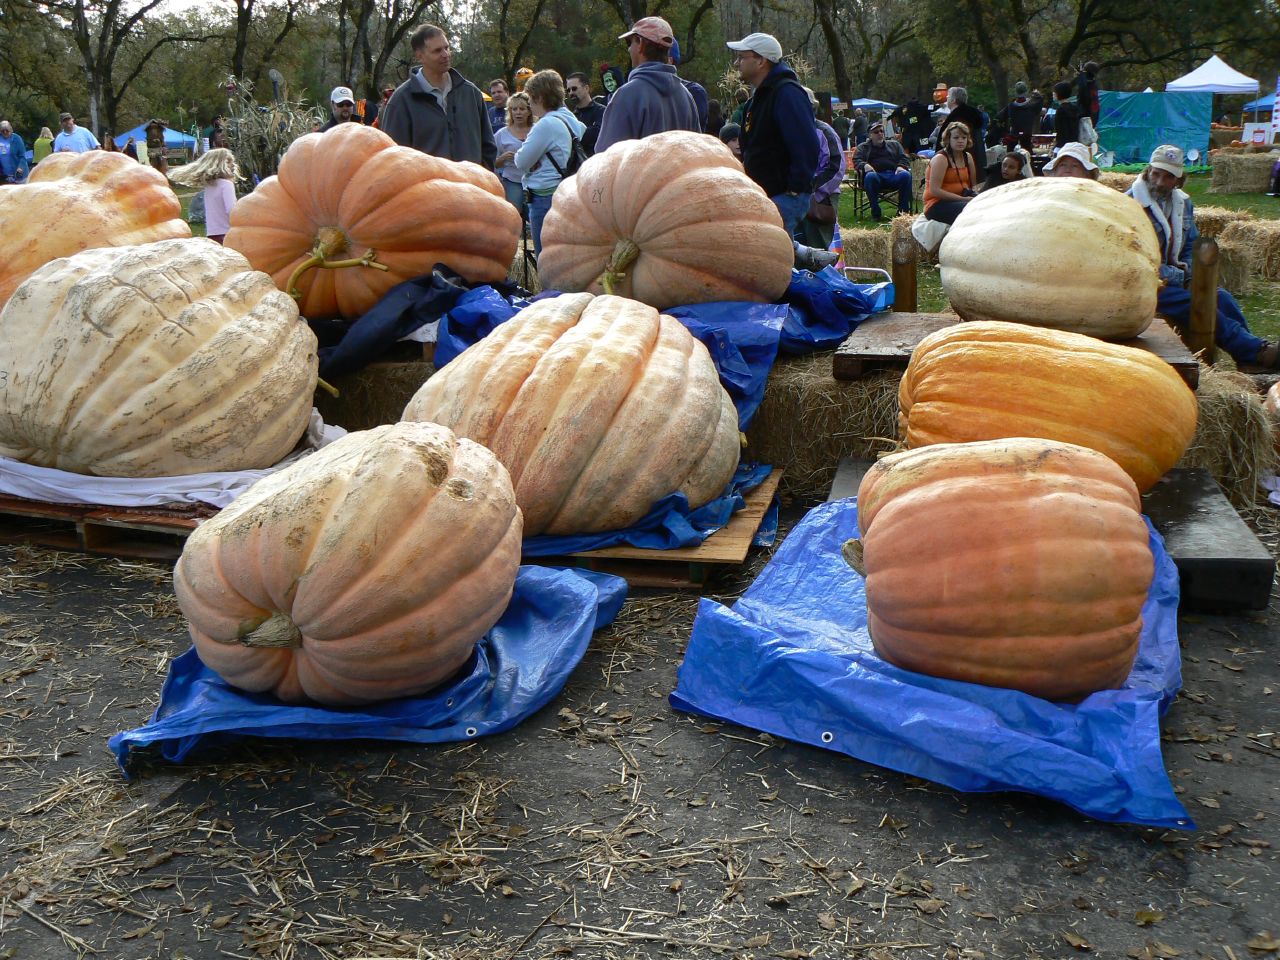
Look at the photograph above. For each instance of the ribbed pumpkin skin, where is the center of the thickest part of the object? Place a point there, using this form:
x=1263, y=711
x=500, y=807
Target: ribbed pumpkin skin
x=415, y=210
x=599, y=407
x=390, y=551
x=1017, y=563
x=75, y=201
x=159, y=360
x=705, y=230
x=985, y=381
x=1056, y=252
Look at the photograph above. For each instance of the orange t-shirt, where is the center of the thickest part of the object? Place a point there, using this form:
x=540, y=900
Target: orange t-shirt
x=954, y=180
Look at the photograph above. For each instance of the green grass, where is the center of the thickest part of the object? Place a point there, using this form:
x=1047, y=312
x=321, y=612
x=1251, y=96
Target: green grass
x=184, y=197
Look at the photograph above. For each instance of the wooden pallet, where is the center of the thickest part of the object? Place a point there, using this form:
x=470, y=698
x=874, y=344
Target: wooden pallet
x=684, y=568
x=885, y=341
x=114, y=531
x=1221, y=565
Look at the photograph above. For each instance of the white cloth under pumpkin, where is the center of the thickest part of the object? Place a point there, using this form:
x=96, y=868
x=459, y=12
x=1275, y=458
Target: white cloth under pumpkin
x=18, y=479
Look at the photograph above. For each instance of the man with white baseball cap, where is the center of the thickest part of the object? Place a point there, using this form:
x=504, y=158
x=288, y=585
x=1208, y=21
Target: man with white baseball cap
x=342, y=104
x=1173, y=216
x=779, y=142
x=653, y=100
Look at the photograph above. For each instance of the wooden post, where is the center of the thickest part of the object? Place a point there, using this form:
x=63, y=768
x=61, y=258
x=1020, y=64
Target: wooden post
x=904, y=273
x=1204, y=299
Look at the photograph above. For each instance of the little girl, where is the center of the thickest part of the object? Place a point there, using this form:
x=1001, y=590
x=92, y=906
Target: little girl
x=217, y=172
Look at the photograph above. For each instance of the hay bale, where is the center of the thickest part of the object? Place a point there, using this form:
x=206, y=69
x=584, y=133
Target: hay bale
x=1237, y=263
x=866, y=248
x=524, y=270
x=1116, y=180
x=1262, y=239
x=900, y=228
x=373, y=396
x=1242, y=172
x=1234, y=438
x=919, y=171
x=1211, y=221
x=808, y=421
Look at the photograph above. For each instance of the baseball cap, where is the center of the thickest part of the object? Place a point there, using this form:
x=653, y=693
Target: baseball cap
x=1077, y=150
x=759, y=43
x=876, y=125
x=1168, y=158
x=653, y=29
x=65, y=116
x=342, y=95
x=675, y=51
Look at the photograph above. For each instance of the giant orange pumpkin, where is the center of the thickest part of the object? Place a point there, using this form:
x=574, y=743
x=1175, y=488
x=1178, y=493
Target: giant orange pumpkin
x=1018, y=563
x=668, y=219
x=987, y=380
x=598, y=406
x=351, y=194
x=363, y=572
x=75, y=201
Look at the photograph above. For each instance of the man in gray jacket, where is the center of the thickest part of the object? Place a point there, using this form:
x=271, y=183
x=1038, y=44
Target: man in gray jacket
x=437, y=110
x=653, y=100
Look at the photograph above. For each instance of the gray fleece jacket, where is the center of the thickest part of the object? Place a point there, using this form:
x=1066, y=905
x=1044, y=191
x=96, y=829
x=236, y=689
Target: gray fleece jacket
x=413, y=118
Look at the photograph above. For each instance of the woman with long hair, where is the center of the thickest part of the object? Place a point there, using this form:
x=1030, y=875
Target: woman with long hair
x=510, y=139
x=217, y=172
x=952, y=179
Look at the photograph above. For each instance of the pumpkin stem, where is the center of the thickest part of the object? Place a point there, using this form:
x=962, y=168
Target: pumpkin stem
x=330, y=241
x=624, y=254
x=327, y=387
x=851, y=550
x=278, y=630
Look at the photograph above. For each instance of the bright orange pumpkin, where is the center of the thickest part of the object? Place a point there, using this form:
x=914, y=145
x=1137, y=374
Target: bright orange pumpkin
x=363, y=572
x=351, y=192
x=667, y=220
x=987, y=380
x=76, y=201
x=598, y=406
x=1019, y=563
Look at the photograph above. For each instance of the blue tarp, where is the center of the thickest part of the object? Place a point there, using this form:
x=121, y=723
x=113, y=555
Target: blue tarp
x=517, y=668
x=1132, y=125
x=793, y=657
x=670, y=523
x=826, y=307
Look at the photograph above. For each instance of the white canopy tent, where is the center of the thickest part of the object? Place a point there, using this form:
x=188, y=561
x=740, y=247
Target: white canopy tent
x=1213, y=76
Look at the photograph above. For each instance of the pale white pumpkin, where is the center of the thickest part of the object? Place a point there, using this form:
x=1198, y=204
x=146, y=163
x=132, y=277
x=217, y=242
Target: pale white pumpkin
x=157, y=360
x=1057, y=252
x=598, y=406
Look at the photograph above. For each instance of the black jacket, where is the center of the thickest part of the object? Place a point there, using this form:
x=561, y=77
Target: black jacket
x=779, y=148
x=590, y=115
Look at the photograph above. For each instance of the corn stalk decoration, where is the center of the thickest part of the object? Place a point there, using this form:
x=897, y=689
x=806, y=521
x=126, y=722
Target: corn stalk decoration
x=258, y=134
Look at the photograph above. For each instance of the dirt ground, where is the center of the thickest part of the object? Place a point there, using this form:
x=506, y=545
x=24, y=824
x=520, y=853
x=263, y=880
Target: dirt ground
x=606, y=826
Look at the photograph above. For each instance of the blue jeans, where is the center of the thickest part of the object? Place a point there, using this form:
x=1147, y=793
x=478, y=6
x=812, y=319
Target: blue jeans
x=1231, y=333
x=793, y=210
x=899, y=180
x=515, y=193
x=538, y=207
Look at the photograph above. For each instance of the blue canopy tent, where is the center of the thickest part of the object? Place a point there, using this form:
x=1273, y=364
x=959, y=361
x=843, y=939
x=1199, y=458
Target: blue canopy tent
x=1262, y=103
x=867, y=103
x=173, y=139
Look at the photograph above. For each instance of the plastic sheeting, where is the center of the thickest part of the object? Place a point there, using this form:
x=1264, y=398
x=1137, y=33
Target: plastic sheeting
x=49, y=485
x=517, y=668
x=670, y=523
x=1132, y=125
x=793, y=657
x=827, y=307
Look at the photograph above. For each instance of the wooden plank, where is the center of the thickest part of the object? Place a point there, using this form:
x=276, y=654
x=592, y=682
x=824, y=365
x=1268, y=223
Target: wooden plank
x=727, y=545
x=116, y=531
x=884, y=342
x=21, y=507
x=1221, y=564
x=887, y=340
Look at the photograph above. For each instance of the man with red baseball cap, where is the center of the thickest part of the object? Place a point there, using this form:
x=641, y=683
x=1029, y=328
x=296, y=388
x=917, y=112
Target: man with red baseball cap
x=653, y=100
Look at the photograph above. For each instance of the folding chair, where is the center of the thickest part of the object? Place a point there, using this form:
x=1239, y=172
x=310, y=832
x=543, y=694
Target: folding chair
x=862, y=203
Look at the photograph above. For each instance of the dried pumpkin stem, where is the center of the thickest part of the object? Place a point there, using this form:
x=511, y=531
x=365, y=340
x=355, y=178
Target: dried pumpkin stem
x=624, y=254
x=327, y=387
x=277, y=630
x=851, y=550
x=330, y=241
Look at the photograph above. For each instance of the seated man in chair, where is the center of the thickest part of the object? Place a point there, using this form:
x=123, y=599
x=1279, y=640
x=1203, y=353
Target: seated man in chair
x=1173, y=217
x=885, y=167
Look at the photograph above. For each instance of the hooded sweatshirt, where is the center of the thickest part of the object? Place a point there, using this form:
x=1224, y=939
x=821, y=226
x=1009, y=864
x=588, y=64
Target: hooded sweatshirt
x=653, y=100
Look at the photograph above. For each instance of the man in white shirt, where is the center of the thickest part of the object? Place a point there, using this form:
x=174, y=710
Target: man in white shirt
x=73, y=139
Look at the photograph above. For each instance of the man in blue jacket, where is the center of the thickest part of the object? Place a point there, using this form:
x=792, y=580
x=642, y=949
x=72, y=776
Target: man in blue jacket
x=13, y=155
x=779, y=140
x=653, y=100
x=1174, y=219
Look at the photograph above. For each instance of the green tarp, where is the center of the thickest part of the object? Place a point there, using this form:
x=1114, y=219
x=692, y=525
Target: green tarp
x=1131, y=125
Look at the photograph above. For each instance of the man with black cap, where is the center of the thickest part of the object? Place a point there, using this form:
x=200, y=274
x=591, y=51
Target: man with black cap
x=884, y=166
x=653, y=100
x=343, y=108
x=1173, y=217
x=73, y=139
x=779, y=141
